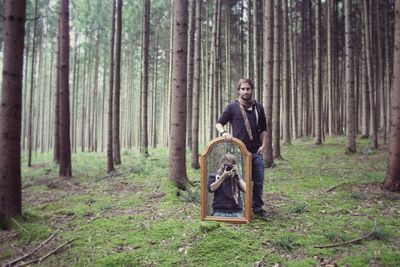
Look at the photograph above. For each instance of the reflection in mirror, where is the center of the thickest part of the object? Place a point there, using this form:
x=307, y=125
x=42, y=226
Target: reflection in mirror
x=225, y=181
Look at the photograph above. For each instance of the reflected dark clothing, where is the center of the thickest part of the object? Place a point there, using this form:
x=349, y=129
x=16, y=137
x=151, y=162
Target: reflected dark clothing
x=257, y=119
x=223, y=199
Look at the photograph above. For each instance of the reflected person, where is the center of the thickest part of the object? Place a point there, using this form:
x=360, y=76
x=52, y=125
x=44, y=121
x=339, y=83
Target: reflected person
x=226, y=185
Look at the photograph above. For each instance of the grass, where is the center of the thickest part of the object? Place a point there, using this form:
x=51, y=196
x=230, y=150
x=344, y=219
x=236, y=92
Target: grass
x=315, y=195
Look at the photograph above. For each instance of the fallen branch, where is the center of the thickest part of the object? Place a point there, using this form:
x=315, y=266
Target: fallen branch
x=40, y=259
x=33, y=251
x=334, y=187
x=260, y=263
x=348, y=242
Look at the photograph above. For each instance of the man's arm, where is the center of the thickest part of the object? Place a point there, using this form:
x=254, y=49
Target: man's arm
x=221, y=130
x=263, y=140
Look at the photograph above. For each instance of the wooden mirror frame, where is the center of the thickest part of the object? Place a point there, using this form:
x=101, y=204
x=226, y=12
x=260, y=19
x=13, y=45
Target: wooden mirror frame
x=249, y=188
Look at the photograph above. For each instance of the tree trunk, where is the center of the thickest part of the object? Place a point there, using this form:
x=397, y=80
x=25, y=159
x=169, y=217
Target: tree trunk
x=268, y=22
x=392, y=179
x=145, y=76
x=276, y=133
x=116, y=112
x=286, y=76
x=31, y=95
x=318, y=85
x=192, y=8
x=196, y=87
x=177, y=160
x=65, y=142
x=110, y=160
x=350, y=122
x=11, y=109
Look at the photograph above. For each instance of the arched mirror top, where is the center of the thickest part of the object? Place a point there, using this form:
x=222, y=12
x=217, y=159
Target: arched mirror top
x=220, y=140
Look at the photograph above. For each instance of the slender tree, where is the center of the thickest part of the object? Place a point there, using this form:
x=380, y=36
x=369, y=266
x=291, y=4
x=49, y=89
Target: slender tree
x=196, y=87
x=110, y=160
x=350, y=124
x=190, y=62
x=144, y=143
x=268, y=21
x=117, y=80
x=11, y=109
x=65, y=141
x=177, y=159
x=318, y=85
x=286, y=77
x=276, y=113
x=392, y=179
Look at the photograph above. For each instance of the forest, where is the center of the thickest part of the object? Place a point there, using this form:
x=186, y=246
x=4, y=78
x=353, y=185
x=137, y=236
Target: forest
x=108, y=105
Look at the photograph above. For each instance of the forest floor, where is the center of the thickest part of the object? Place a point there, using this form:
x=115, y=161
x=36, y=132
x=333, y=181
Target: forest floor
x=316, y=195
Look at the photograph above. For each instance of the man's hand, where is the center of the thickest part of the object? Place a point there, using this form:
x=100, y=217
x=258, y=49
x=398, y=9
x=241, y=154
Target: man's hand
x=228, y=137
x=261, y=150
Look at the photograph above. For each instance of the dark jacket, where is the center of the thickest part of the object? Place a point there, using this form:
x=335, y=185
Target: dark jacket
x=221, y=202
x=257, y=119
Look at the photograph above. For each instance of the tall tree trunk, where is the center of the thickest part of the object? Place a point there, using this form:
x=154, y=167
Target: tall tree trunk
x=65, y=142
x=365, y=92
x=155, y=91
x=329, y=12
x=116, y=112
x=276, y=133
x=11, y=109
x=367, y=26
x=196, y=87
x=56, y=155
x=145, y=76
x=286, y=76
x=31, y=95
x=192, y=8
x=318, y=85
x=268, y=23
x=110, y=160
x=350, y=124
x=392, y=179
x=177, y=159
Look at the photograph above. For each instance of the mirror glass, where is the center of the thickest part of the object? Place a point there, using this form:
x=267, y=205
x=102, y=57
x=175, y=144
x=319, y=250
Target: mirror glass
x=228, y=199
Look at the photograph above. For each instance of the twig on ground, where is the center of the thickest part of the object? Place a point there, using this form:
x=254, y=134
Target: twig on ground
x=17, y=223
x=350, y=241
x=40, y=259
x=33, y=251
x=260, y=263
x=334, y=187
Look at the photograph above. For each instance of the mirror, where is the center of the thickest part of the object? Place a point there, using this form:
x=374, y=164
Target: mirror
x=229, y=200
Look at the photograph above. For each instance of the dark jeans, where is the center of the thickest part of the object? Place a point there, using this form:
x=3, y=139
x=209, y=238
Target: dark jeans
x=258, y=181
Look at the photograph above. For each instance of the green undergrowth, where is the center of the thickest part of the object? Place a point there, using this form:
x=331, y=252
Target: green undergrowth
x=315, y=195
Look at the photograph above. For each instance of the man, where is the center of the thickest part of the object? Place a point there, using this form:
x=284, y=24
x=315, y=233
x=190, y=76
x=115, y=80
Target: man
x=249, y=124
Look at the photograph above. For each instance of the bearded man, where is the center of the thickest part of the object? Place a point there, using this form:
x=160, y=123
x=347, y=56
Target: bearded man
x=249, y=124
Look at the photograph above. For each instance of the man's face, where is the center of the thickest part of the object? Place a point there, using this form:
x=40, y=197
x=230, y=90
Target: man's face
x=245, y=91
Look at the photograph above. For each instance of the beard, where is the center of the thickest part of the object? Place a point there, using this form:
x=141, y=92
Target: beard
x=245, y=96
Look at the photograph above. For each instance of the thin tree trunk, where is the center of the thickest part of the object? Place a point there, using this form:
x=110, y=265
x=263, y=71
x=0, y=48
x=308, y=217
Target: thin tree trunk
x=116, y=112
x=145, y=76
x=276, y=133
x=268, y=23
x=11, y=109
x=177, y=159
x=65, y=142
x=196, y=87
x=286, y=76
x=392, y=179
x=192, y=8
x=350, y=124
x=318, y=85
x=110, y=160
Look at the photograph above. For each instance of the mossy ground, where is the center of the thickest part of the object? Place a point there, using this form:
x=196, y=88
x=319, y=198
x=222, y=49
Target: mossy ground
x=138, y=218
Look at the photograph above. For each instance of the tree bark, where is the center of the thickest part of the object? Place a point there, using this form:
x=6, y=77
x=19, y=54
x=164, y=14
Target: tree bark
x=11, y=109
x=268, y=33
x=65, y=142
x=110, y=160
x=177, y=160
x=286, y=77
x=392, y=179
x=350, y=122
x=144, y=143
x=196, y=87
x=192, y=8
x=318, y=85
x=117, y=73
x=276, y=133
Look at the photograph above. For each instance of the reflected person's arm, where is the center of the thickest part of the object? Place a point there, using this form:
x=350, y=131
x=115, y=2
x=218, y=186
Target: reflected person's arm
x=218, y=181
